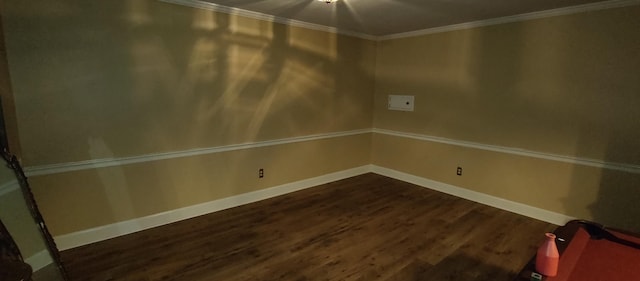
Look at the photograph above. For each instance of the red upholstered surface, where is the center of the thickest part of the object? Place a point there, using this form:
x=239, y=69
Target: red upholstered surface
x=598, y=260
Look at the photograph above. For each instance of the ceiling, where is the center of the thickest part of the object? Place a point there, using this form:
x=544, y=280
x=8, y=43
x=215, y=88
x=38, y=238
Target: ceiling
x=379, y=18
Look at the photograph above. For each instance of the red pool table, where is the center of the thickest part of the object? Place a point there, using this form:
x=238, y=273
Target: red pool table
x=591, y=252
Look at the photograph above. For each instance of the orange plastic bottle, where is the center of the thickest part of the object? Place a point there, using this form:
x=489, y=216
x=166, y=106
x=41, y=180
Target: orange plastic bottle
x=548, y=257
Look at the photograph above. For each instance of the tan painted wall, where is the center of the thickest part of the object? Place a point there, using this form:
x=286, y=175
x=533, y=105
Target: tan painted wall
x=565, y=85
x=16, y=217
x=14, y=212
x=127, y=78
x=81, y=200
x=146, y=77
x=602, y=195
x=105, y=79
x=8, y=105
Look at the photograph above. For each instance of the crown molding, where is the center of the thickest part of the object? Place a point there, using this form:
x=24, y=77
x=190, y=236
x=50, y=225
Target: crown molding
x=265, y=17
x=516, y=18
x=467, y=25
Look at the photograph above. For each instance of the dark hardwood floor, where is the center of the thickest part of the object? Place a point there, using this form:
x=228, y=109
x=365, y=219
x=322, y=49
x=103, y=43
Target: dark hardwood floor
x=367, y=227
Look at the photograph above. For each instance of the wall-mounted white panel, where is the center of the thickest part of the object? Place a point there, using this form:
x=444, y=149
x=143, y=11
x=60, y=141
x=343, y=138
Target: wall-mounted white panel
x=397, y=102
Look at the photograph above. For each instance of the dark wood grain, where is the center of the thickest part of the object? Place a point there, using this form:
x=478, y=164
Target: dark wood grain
x=367, y=227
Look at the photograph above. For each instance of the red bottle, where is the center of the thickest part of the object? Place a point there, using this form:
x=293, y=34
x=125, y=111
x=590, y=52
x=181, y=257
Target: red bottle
x=548, y=256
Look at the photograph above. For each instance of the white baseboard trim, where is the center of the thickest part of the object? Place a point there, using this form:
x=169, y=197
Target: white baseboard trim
x=39, y=260
x=497, y=202
x=84, y=237
x=88, y=236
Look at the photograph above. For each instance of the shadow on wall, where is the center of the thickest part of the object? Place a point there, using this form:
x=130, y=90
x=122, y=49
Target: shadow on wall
x=230, y=83
x=127, y=78
x=586, y=109
x=149, y=77
x=603, y=55
x=618, y=198
x=612, y=195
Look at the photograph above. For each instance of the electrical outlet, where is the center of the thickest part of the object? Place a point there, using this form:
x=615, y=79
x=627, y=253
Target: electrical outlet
x=459, y=171
x=261, y=173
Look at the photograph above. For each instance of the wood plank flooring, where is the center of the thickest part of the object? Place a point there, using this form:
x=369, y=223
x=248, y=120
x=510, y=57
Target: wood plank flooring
x=363, y=228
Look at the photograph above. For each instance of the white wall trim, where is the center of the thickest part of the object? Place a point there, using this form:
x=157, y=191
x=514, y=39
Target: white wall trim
x=265, y=17
x=39, y=260
x=467, y=25
x=493, y=201
x=516, y=18
x=629, y=168
x=109, y=162
x=88, y=236
x=9, y=187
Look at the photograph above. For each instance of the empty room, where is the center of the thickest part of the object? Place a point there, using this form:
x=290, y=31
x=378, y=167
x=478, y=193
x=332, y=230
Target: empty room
x=320, y=140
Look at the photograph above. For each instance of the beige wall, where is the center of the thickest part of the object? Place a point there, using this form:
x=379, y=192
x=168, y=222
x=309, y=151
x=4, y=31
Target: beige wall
x=128, y=78
x=14, y=213
x=602, y=195
x=146, y=77
x=565, y=85
x=79, y=200
x=16, y=216
x=23, y=229
x=8, y=106
x=105, y=79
